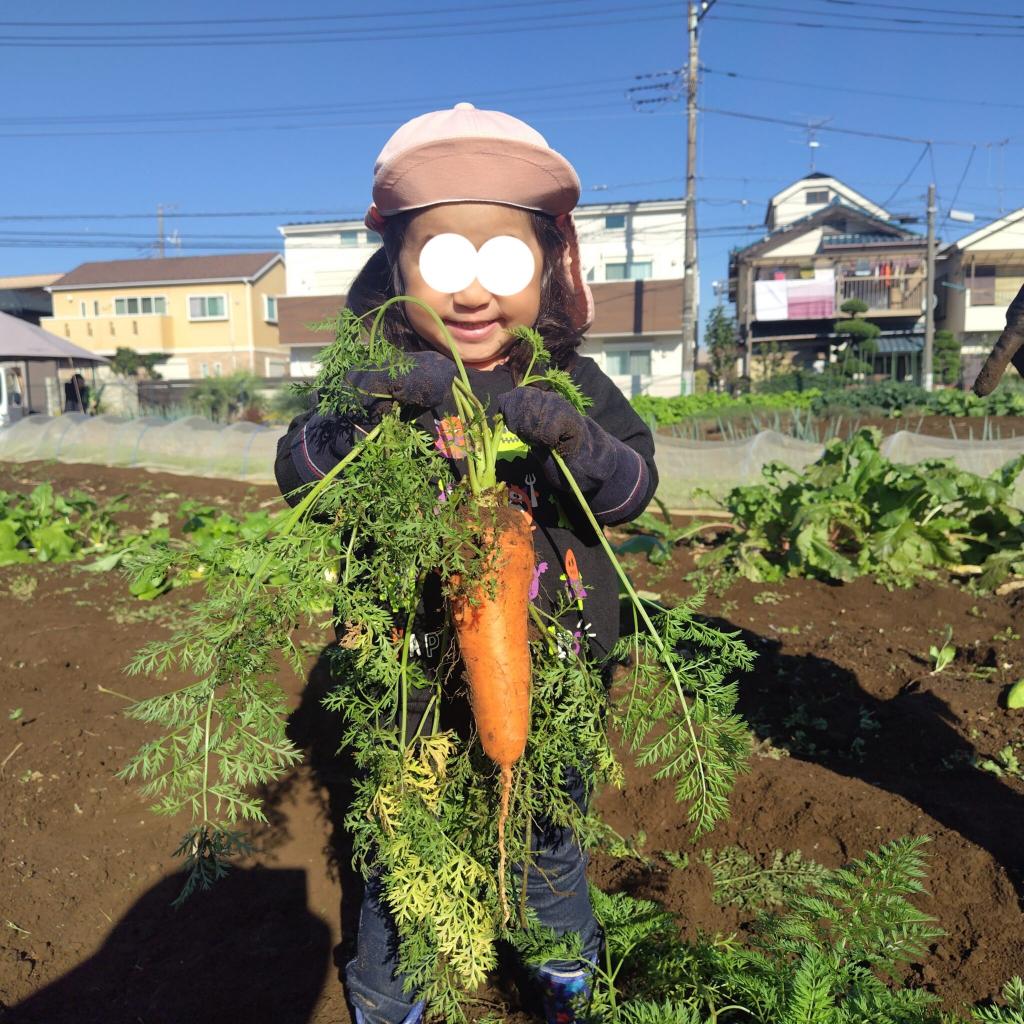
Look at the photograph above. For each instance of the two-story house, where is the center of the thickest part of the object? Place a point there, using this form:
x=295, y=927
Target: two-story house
x=978, y=277
x=209, y=315
x=631, y=254
x=826, y=244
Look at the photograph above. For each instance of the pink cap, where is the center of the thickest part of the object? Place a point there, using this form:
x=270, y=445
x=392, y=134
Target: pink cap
x=483, y=156
x=470, y=155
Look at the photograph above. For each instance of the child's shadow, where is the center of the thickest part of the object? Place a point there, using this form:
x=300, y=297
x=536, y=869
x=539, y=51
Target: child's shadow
x=907, y=744
x=250, y=950
x=318, y=731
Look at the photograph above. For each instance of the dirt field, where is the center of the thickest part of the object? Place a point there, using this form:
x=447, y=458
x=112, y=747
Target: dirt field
x=858, y=744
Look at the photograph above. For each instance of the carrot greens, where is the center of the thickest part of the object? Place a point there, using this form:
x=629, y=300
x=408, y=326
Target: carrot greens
x=373, y=541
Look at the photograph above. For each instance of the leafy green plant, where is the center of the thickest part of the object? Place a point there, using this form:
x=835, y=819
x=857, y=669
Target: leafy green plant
x=223, y=399
x=357, y=552
x=944, y=656
x=854, y=513
x=831, y=955
x=666, y=411
x=46, y=527
x=1004, y=763
x=739, y=880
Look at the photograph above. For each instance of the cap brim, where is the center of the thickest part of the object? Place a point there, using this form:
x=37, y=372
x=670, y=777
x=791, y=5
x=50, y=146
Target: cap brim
x=477, y=170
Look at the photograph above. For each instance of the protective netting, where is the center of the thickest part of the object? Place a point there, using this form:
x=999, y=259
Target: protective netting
x=696, y=473
x=192, y=446
x=693, y=473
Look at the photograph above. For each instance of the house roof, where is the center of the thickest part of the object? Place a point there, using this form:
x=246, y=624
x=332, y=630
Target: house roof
x=620, y=308
x=849, y=195
x=835, y=209
x=247, y=266
x=990, y=229
x=29, y=280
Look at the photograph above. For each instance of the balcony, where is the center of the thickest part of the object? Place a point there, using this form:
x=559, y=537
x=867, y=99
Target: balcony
x=822, y=297
x=903, y=296
x=150, y=333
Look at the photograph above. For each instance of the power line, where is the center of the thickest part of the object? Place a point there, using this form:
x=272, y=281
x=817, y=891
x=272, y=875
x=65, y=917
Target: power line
x=567, y=21
x=910, y=174
x=849, y=90
x=956, y=195
x=925, y=10
x=547, y=110
x=878, y=18
x=860, y=133
x=473, y=9
x=887, y=29
x=558, y=88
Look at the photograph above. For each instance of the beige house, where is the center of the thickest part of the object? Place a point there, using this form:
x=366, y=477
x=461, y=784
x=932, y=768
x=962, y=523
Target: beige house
x=826, y=244
x=978, y=277
x=210, y=315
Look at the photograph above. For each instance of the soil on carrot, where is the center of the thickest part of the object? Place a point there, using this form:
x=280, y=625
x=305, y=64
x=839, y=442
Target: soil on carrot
x=856, y=741
x=962, y=428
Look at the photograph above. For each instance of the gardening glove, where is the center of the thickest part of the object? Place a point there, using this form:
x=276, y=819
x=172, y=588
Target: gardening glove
x=614, y=478
x=315, y=443
x=1009, y=348
x=426, y=385
x=566, y=990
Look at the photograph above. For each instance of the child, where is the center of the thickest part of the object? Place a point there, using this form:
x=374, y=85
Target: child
x=474, y=208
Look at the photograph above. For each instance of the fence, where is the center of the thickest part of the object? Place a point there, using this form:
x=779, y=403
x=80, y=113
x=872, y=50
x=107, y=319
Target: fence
x=693, y=473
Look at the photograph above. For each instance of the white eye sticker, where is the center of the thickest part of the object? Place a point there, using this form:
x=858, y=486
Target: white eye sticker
x=505, y=265
x=448, y=263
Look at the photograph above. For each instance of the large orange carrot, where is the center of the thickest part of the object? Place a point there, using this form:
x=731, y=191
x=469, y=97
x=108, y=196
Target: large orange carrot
x=492, y=624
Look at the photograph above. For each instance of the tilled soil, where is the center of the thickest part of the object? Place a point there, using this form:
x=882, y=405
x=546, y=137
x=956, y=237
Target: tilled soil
x=857, y=743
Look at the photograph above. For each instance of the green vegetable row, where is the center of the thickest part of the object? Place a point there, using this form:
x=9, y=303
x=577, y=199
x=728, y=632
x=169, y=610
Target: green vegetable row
x=886, y=397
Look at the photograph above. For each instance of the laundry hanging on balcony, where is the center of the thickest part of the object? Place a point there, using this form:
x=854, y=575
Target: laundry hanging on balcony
x=796, y=300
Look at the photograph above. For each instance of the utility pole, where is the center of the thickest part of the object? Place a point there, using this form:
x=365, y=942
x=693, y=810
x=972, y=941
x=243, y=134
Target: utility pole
x=690, y=251
x=927, y=371
x=160, y=230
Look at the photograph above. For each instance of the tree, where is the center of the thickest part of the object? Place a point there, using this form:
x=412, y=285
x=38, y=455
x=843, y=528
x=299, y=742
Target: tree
x=127, y=363
x=723, y=345
x=860, y=341
x=946, y=358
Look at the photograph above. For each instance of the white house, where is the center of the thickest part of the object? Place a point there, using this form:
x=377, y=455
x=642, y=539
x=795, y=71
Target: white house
x=636, y=248
x=978, y=277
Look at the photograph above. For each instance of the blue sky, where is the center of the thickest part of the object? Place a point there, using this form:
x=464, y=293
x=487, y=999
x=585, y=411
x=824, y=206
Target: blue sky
x=231, y=118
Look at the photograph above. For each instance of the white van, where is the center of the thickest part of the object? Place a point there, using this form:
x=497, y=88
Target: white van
x=12, y=394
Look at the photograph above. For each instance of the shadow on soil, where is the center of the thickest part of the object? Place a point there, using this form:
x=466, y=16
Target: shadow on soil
x=318, y=731
x=906, y=745
x=248, y=950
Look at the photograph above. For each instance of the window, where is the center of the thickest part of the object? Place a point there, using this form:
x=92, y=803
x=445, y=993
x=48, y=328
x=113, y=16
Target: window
x=628, y=362
x=146, y=304
x=83, y=308
x=373, y=238
x=350, y=237
x=96, y=307
x=614, y=221
x=270, y=308
x=819, y=197
x=207, y=307
x=204, y=370
x=982, y=283
x=217, y=369
x=638, y=270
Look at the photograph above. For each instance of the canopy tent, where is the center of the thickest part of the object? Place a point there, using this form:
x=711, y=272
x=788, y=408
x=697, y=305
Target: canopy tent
x=34, y=363
x=22, y=340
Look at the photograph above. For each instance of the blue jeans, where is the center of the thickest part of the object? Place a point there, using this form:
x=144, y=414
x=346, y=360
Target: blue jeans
x=556, y=889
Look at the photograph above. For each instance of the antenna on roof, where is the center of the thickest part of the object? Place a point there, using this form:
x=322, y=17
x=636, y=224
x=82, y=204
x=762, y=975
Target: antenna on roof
x=813, y=143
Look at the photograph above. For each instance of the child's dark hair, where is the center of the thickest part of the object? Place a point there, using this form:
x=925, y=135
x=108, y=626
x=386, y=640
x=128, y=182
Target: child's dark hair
x=380, y=279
